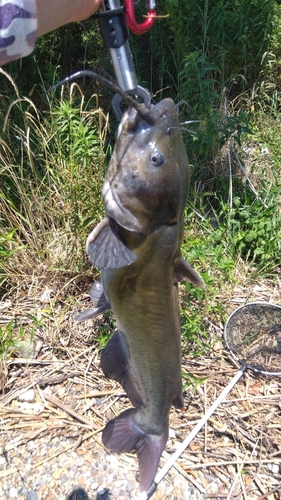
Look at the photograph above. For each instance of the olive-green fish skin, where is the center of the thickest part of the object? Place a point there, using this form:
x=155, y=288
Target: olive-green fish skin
x=137, y=246
x=144, y=300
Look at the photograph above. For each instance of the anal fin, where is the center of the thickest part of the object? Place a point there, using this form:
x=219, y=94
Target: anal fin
x=115, y=365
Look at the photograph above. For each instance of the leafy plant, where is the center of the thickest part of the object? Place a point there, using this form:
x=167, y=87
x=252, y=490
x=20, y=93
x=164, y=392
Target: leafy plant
x=256, y=231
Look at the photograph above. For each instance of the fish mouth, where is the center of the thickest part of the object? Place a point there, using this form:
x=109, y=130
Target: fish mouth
x=116, y=210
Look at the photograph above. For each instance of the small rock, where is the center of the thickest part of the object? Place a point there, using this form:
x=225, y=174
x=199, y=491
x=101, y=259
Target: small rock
x=79, y=461
x=81, y=481
x=101, y=491
x=63, y=478
x=130, y=486
x=81, y=451
x=27, y=396
x=274, y=468
x=113, y=460
x=119, y=483
x=32, y=495
x=46, y=296
x=57, y=474
x=38, y=408
x=94, y=486
x=13, y=492
x=172, y=433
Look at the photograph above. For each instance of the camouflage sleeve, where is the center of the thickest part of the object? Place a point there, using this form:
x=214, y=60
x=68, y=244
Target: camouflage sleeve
x=18, y=25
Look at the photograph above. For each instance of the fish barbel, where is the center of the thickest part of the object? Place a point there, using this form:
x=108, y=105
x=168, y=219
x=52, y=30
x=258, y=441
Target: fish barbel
x=137, y=247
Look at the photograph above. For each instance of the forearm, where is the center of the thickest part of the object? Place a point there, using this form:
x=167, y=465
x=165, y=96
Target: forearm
x=55, y=13
x=22, y=21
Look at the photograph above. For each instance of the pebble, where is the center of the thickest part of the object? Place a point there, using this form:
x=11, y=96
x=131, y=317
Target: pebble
x=27, y=396
x=57, y=474
x=101, y=477
x=94, y=486
x=113, y=460
x=101, y=491
x=172, y=433
x=38, y=408
x=32, y=495
x=274, y=468
x=130, y=486
x=79, y=461
x=63, y=478
x=119, y=483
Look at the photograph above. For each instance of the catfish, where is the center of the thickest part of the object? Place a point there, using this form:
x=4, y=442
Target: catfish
x=137, y=247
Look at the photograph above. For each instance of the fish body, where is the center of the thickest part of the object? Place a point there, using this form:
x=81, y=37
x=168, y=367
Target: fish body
x=137, y=247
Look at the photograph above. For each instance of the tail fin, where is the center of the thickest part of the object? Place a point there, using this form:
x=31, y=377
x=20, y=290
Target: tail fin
x=122, y=435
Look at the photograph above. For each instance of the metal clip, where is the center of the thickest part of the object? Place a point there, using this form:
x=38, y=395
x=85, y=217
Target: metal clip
x=135, y=27
x=113, y=25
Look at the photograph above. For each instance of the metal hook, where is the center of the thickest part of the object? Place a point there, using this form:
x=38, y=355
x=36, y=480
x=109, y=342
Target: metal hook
x=135, y=27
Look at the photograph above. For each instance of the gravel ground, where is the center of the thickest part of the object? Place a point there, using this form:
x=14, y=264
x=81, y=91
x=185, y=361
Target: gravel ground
x=87, y=473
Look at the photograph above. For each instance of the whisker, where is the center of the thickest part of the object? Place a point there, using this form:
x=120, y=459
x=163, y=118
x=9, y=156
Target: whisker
x=184, y=128
x=113, y=86
x=191, y=121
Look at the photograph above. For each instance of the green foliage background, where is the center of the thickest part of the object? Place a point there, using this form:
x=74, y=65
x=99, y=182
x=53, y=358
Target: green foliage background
x=223, y=59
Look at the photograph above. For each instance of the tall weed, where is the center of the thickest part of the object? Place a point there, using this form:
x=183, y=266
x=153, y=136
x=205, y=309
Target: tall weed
x=51, y=175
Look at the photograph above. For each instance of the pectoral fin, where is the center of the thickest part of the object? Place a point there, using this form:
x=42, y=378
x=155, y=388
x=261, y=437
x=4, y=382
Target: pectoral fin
x=106, y=249
x=184, y=272
x=115, y=365
x=122, y=435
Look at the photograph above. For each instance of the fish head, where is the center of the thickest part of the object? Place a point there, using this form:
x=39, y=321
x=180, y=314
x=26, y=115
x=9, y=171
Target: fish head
x=147, y=180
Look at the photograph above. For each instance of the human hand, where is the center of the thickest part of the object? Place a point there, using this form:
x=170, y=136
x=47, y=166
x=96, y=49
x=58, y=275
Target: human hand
x=55, y=13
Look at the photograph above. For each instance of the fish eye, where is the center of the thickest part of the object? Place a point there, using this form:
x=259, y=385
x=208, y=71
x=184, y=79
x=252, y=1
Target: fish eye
x=156, y=158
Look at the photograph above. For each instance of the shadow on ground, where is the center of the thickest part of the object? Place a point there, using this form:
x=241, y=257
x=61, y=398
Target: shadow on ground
x=81, y=494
